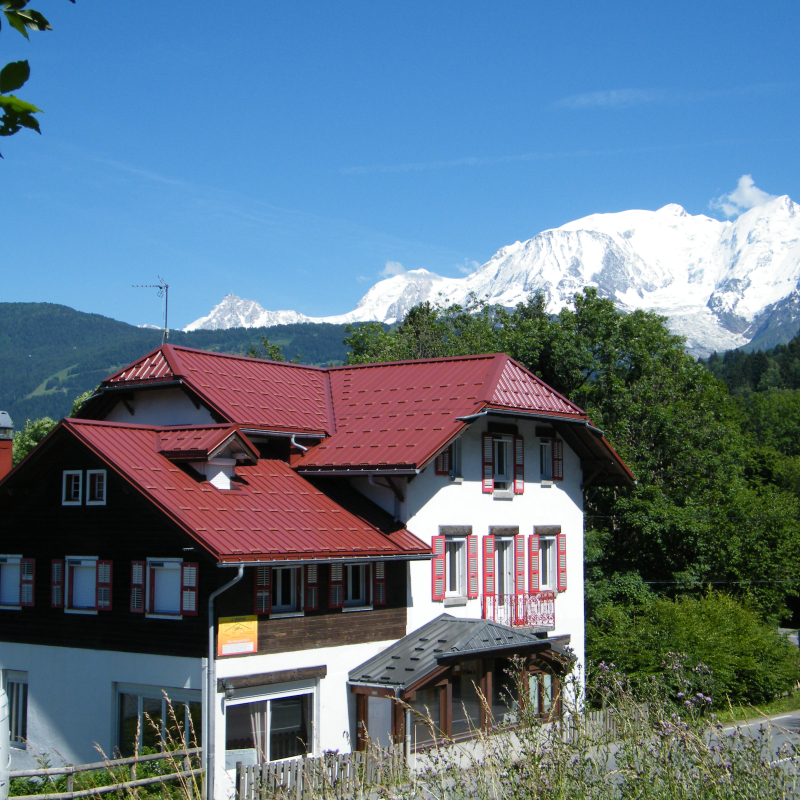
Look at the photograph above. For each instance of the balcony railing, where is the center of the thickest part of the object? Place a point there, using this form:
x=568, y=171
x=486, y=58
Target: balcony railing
x=528, y=610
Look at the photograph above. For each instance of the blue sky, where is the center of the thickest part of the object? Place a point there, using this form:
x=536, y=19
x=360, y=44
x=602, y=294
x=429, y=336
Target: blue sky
x=286, y=151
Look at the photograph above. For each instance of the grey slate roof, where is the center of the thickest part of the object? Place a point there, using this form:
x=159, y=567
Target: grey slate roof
x=442, y=640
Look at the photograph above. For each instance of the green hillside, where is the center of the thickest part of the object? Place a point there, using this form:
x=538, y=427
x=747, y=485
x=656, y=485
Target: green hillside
x=51, y=353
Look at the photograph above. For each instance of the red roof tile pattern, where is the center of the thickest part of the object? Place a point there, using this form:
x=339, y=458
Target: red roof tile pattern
x=516, y=388
x=400, y=415
x=199, y=441
x=152, y=367
x=270, y=513
x=251, y=392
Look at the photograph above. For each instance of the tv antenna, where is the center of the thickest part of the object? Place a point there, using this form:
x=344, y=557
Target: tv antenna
x=163, y=291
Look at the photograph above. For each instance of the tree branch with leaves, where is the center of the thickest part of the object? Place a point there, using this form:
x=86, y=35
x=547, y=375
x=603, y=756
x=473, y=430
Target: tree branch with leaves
x=17, y=113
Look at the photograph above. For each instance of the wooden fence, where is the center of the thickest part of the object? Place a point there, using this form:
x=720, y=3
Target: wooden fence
x=334, y=775
x=186, y=775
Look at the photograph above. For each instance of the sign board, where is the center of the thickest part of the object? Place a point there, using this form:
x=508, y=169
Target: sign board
x=237, y=635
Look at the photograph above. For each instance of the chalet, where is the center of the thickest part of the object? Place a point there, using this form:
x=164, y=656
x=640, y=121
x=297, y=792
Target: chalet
x=268, y=554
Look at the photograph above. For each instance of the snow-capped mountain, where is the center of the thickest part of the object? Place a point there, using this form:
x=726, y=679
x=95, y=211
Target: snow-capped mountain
x=722, y=284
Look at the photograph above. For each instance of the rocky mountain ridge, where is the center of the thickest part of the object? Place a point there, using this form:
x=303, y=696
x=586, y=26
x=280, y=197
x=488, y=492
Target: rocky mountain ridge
x=721, y=284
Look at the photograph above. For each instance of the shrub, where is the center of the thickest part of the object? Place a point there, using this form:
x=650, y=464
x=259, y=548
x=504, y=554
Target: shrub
x=750, y=661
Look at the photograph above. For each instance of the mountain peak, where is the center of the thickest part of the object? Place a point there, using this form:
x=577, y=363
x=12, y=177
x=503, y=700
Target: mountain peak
x=719, y=283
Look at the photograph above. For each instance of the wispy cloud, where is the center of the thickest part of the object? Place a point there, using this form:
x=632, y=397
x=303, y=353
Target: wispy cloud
x=473, y=161
x=391, y=269
x=468, y=267
x=626, y=98
x=745, y=196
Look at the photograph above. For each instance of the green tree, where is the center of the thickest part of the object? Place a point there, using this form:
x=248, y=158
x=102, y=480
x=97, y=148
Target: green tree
x=33, y=433
x=17, y=113
x=270, y=352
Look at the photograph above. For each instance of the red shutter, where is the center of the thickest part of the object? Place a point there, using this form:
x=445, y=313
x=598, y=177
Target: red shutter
x=137, y=586
x=189, y=589
x=103, y=585
x=519, y=465
x=519, y=564
x=558, y=459
x=27, y=571
x=562, y=562
x=488, y=566
x=488, y=463
x=379, y=583
x=262, y=594
x=533, y=563
x=472, y=566
x=336, y=594
x=438, y=568
x=312, y=587
x=57, y=583
x=443, y=462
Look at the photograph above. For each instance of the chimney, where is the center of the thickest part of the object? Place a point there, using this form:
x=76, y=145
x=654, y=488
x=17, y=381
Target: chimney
x=6, y=444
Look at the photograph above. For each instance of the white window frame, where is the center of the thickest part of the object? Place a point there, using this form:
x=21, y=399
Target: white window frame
x=364, y=602
x=277, y=577
x=548, y=582
x=17, y=706
x=64, y=500
x=68, y=567
x=505, y=477
x=12, y=561
x=460, y=567
x=89, y=474
x=156, y=563
x=257, y=694
x=546, y=461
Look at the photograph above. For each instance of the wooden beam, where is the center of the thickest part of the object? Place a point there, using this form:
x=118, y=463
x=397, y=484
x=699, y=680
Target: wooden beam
x=271, y=678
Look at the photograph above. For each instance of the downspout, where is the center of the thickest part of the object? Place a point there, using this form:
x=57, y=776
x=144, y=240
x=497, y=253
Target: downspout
x=211, y=691
x=293, y=442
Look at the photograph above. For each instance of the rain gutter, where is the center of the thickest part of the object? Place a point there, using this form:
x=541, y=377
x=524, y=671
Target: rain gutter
x=302, y=562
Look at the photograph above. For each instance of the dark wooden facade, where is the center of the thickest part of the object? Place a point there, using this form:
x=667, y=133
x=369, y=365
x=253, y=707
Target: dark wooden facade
x=35, y=524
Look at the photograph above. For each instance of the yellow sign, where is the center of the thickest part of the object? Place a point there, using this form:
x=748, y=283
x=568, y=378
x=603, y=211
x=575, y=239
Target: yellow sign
x=237, y=635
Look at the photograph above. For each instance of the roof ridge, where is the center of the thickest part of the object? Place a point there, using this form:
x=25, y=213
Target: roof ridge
x=105, y=423
x=476, y=356
x=249, y=359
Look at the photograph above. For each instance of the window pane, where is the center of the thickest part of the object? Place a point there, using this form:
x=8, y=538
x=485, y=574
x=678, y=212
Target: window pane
x=466, y=702
x=151, y=722
x=246, y=728
x=9, y=584
x=195, y=732
x=97, y=487
x=547, y=693
x=534, y=684
x=504, y=692
x=17, y=693
x=355, y=584
x=128, y=723
x=290, y=725
x=427, y=703
x=546, y=463
x=454, y=566
x=167, y=595
x=83, y=586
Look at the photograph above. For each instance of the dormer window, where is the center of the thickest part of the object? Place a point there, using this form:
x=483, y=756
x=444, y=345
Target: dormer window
x=96, y=487
x=71, y=487
x=220, y=471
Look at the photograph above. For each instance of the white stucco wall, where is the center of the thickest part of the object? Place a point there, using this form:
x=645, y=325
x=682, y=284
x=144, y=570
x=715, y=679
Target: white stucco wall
x=433, y=500
x=161, y=407
x=72, y=696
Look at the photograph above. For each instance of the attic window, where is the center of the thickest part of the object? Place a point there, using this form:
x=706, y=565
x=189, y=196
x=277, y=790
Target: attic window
x=96, y=487
x=71, y=487
x=218, y=471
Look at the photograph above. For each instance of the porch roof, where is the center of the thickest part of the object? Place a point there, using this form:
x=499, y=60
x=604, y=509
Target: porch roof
x=444, y=640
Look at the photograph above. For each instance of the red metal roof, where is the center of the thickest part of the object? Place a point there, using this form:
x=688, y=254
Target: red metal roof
x=251, y=392
x=516, y=388
x=399, y=415
x=199, y=442
x=270, y=513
